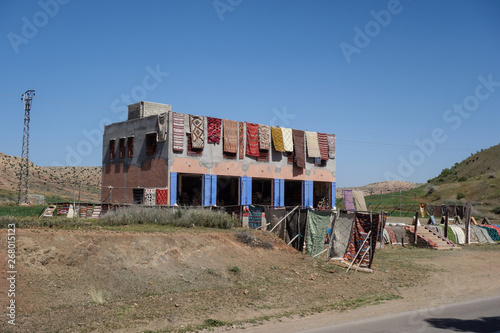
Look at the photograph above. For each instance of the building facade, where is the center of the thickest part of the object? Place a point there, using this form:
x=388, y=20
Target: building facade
x=160, y=157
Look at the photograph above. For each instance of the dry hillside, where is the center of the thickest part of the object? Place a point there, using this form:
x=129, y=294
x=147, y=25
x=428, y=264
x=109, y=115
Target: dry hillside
x=57, y=181
x=382, y=187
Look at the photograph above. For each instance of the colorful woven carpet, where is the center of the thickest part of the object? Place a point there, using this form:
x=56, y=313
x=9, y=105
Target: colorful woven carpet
x=312, y=144
x=178, y=131
x=300, y=156
x=241, y=140
x=230, y=128
x=150, y=197
x=323, y=146
x=213, y=130
x=252, y=140
x=287, y=139
x=331, y=146
x=264, y=137
x=161, y=196
x=197, y=125
x=277, y=139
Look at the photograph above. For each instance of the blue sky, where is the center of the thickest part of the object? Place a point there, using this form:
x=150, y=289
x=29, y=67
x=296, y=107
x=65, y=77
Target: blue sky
x=408, y=87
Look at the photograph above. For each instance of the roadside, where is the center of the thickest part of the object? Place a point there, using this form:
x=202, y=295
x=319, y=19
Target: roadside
x=175, y=281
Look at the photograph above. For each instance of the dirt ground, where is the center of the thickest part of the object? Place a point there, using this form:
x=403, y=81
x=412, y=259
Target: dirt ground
x=108, y=281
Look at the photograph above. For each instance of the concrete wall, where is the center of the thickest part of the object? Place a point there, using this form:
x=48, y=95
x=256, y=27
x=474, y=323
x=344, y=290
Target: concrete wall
x=146, y=109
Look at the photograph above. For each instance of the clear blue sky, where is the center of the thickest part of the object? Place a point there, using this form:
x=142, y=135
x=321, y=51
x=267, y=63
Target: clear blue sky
x=381, y=75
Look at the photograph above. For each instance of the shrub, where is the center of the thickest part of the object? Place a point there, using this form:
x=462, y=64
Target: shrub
x=460, y=195
x=179, y=217
x=496, y=210
x=491, y=175
x=235, y=269
x=431, y=189
x=462, y=179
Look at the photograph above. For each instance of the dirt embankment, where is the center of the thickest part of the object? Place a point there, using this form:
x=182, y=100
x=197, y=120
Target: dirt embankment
x=101, y=281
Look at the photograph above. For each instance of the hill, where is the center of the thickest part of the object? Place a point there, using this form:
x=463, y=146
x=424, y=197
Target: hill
x=476, y=179
x=382, y=187
x=483, y=163
x=56, y=182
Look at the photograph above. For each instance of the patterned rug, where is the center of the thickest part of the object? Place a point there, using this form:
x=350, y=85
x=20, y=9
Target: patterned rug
x=287, y=139
x=161, y=196
x=312, y=144
x=197, y=125
x=213, y=130
x=264, y=137
x=300, y=156
x=230, y=128
x=323, y=146
x=178, y=131
x=252, y=140
x=162, y=127
x=277, y=139
x=241, y=140
x=150, y=197
x=331, y=146
x=138, y=194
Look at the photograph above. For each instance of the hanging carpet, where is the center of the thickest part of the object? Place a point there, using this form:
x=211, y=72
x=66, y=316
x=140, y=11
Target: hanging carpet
x=277, y=139
x=255, y=217
x=162, y=127
x=178, y=131
x=161, y=196
x=241, y=140
x=197, y=125
x=359, y=199
x=312, y=145
x=264, y=137
x=150, y=197
x=230, y=128
x=341, y=233
x=298, y=140
x=287, y=139
x=348, y=200
x=323, y=146
x=296, y=225
x=363, y=224
x=213, y=130
x=138, y=195
x=331, y=146
x=252, y=140
x=316, y=231
x=273, y=216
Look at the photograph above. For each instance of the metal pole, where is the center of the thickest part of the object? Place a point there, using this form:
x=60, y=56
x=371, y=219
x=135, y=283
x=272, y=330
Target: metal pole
x=74, y=199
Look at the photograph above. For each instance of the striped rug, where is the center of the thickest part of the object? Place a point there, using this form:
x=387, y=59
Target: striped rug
x=178, y=131
x=323, y=146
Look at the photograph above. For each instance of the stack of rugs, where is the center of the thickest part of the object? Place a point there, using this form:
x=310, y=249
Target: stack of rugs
x=96, y=212
x=395, y=234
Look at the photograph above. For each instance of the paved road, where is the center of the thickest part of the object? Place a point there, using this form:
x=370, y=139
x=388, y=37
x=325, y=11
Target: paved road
x=480, y=316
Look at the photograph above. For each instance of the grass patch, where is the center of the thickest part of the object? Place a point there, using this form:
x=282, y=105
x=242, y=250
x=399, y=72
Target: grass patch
x=21, y=211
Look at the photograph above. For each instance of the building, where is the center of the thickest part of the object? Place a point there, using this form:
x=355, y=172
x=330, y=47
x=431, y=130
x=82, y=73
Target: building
x=201, y=161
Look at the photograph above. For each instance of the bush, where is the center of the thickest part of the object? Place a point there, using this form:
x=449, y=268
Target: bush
x=179, y=217
x=491, y=175
x=460, y=195
x=462, y=179
x=496, y=210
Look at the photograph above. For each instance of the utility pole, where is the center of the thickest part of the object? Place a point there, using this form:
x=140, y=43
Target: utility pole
x=25, y=155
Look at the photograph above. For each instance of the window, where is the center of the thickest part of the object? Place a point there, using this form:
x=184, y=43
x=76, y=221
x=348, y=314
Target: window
x=151, y=144
x=121, y=148
x=112, y=148
x=130, y=146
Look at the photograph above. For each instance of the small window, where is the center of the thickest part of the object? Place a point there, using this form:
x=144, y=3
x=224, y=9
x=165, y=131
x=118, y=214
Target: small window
x=130, y=146
x=112, y=147
x=151, y=144
x=121, y=148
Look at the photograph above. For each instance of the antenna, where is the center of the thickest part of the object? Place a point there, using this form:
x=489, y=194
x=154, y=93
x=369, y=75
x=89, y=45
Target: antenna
x=25, y=155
